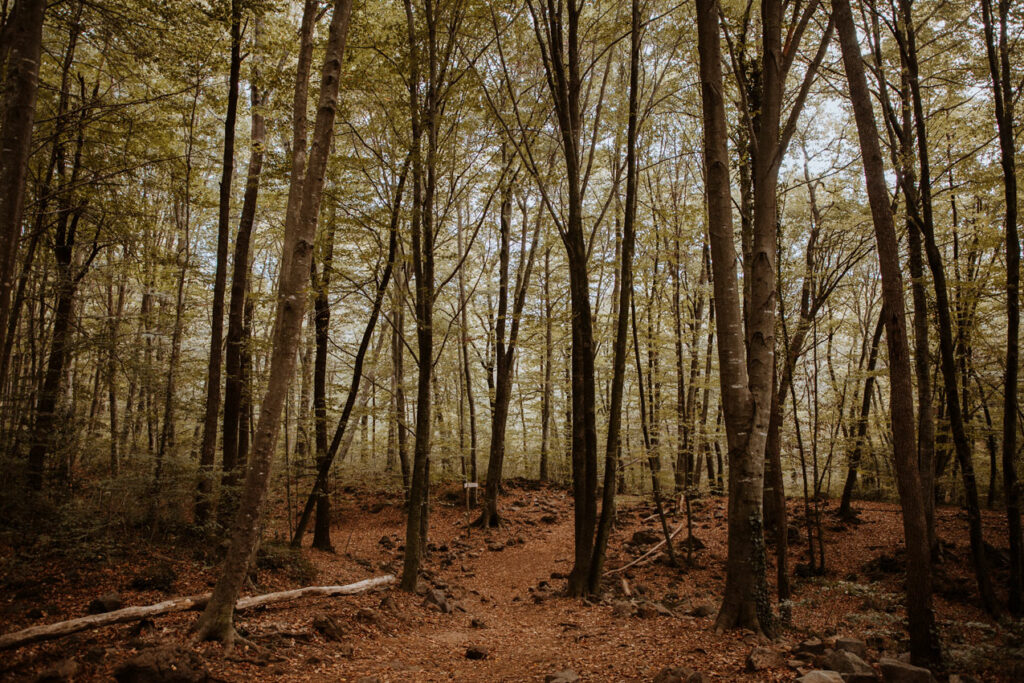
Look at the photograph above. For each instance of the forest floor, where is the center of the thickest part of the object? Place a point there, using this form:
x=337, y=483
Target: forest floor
x=503, y=588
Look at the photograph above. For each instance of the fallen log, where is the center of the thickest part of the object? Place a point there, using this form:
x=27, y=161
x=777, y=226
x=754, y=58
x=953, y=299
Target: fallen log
x=646, y=555
x=60, y=629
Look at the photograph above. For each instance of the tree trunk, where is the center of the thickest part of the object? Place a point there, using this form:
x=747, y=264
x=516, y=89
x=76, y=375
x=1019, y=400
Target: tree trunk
x=236, y=424
x=746, y=602
x=1003, y=91
x=212, y=412
x=613, y=445
x=24, y=37
x=924, y=643
x=217, y=621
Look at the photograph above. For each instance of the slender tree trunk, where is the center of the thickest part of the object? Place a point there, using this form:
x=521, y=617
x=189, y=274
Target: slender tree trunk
x=217, y=621
x=212, y=412
x=1003, y=91
x=236, y=423
x=924, y=643
x=613, y=444
x=548, y=388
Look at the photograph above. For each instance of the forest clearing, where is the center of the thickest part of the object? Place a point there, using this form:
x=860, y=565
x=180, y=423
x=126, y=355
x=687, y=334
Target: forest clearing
x=532, y=340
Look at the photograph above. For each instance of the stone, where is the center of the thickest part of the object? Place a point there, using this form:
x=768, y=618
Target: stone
x=61, y=672
x=622, y=609
x=764, y=658
x=105, y=603
x=495, y=547
x=437, y=599
x=847, y=663
x=367, y=615
x=702, y=611
x=476, y=652
x=678, y=674
x=811, y=646
x=368, y=679
x=325, y=625
x=646, y=610
x=163, y=665
x=963, y=678
x=566, y=676
x=160, y=576
x=645, y=537
x=820, y=676
x=477, y=623
x=895, y=671
x=852, y=645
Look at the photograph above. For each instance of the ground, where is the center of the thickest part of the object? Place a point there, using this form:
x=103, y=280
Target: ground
x=504, y=588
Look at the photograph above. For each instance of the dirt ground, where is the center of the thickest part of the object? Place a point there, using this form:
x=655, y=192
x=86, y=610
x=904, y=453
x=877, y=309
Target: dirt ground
x=503, y=587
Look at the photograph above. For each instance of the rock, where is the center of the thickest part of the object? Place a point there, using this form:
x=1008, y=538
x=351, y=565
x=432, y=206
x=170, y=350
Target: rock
x=895, y=671
x=963, y=678
x=495, y=547
x=160, y=576
x=678, y=674
x=645, y=537
x=811, y=646
x=163, y=665
x=367, y=615
x=820, y=676
x=853, y=645
x=105, y=603
x=367, y=679
x=325, y=625
x=566, y=676
x=647, y=610
x=388, y=604
x=764, y=658
x=477, y=623
x=476, y=652
x=62, y=671
x=436, y=598
x=853, y=668
x=702, y=611
x=622, y=609
x=796, y=663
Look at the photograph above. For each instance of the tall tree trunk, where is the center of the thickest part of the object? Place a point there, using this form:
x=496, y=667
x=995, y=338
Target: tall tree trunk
x=613, y=445
x=236, y=424
x=1003, y=96
x=23, y=36
x=548, y=388
x=217, y=620
x=961, y=443
x=924, y=643
x=213, y=373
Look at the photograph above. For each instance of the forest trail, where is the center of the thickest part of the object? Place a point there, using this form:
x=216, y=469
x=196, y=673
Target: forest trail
x=507, y=581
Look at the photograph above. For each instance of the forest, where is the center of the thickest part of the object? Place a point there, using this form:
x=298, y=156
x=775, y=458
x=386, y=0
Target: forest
x=561, y=340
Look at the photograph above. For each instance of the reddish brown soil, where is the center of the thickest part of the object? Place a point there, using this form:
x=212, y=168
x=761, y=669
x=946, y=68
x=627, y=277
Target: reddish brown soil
x=530, y=631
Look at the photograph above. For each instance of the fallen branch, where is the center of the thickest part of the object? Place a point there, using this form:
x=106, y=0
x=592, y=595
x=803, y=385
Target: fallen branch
x=650, y=552
x=60, y=629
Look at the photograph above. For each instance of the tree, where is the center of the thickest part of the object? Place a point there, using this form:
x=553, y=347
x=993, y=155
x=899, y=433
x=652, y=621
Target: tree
x=217, y=620
x=924, y=645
